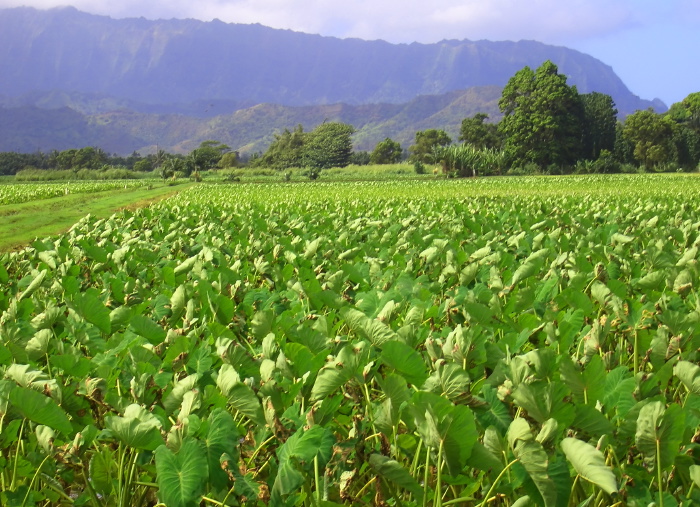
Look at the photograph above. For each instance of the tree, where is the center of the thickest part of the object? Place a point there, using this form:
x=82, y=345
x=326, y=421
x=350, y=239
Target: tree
x=285, y=151
x=542, y=117
x=207, y=155
x=687, y=111
x=328, y=145
x=598, y=127
x=143, y=165
x=229, y=159
x=359, y=158
x=686, y=115
x=478, y=133
x=386, y=152
x=652, y=137
x=426, y=141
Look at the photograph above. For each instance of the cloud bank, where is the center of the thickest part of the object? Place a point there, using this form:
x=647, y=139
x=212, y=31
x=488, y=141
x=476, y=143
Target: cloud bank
x=551, y=21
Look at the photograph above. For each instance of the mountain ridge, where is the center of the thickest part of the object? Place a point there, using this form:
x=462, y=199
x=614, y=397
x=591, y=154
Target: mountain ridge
x=246, y=130
x=182, y=61
x=137, y=84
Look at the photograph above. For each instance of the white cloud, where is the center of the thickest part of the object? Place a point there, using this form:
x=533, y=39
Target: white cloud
x=404, y=21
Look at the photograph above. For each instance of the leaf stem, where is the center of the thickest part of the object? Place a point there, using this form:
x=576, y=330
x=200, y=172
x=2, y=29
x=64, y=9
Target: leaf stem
x=493, y=486
x=426, y=476
x=437, y=497
x=31, y=484
x=659, y=473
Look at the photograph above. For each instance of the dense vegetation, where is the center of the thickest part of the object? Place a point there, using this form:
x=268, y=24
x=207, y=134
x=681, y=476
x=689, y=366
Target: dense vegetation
x=491, y=341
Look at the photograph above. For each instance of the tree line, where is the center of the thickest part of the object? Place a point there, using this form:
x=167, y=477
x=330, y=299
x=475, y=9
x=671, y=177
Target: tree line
x=547, y=127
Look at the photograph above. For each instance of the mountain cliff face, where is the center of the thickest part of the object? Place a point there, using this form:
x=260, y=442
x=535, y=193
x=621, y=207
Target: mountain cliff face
x=170, y=64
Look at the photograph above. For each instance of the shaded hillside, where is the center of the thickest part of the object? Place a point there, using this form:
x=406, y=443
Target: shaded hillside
x=247, y=130
x=185, y=64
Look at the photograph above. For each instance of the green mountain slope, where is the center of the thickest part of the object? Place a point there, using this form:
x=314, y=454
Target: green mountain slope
x=248, y=130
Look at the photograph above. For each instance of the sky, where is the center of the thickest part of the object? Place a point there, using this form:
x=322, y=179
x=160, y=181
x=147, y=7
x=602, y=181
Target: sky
x=651, y=44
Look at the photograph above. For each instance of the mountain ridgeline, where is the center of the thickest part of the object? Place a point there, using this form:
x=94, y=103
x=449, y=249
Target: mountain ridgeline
x=97, y=65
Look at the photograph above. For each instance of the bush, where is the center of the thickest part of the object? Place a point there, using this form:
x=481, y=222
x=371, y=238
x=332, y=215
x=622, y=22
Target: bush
x=419, y=167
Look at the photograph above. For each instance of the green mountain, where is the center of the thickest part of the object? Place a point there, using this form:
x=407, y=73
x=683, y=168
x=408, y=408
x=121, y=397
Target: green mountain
x=70, y=79
x=174, y=64
x=29, y=128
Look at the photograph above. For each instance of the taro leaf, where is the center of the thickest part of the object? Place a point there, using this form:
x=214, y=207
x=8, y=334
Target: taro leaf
x=619, y=386
x=544, y=400
x=146, y=327
x=200, y=360
x=589, y=463
x=138, y=428
x=261, y=323
x=549, y=430
x=298, y=451
x=592, y=421
x=224, y=309
x=185, y=266
x=330, y=378
x=90, y=308
x=40, y=409
x=244, y=485
x=652, y=281
x=660, y=433
x=689, y=374
x=396, y=391
x=351, y=359
x=533, y=458
x=304, y=445
x=178, y=301
x=38, y=345
x=103, y=471
x=174, y=398
x=222, y=438
x=33, y=286
x=45, y=437
x=695, y=474
x=530, y=266
x=393, y=472
x=587, y=386
x=687, y=256
x=494, y=414
x=482, y=458
x=242, y=398
x=182, y=477
x=620, y=239
x=440, y=422
x=570, y=326
x=482, y=314
x=120, y=317
x=406, y=361
x=5, y=355
x=449, y=380
x=375, y=331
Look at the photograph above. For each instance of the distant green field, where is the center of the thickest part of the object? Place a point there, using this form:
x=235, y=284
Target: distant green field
x=494, y=341
x=31, y=210
x=349, y=173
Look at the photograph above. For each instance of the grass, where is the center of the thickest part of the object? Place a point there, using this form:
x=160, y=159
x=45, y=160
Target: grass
x=22, y=223
x=349, y=173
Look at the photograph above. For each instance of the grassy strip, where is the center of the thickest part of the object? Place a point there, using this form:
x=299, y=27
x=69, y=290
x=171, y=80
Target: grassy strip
x=21, y=223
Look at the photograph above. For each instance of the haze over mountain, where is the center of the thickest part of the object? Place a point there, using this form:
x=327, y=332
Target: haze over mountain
x=95, y=65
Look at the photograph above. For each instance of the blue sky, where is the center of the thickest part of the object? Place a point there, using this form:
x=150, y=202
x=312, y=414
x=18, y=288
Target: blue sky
x=651, y=44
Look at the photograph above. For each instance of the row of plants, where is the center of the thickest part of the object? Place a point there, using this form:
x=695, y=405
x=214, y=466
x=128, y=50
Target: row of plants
x=16, y=193
x=508, y=341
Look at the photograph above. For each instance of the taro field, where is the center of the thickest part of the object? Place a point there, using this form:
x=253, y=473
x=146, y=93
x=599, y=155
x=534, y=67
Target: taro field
x=492, y=342
x=22, y=192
